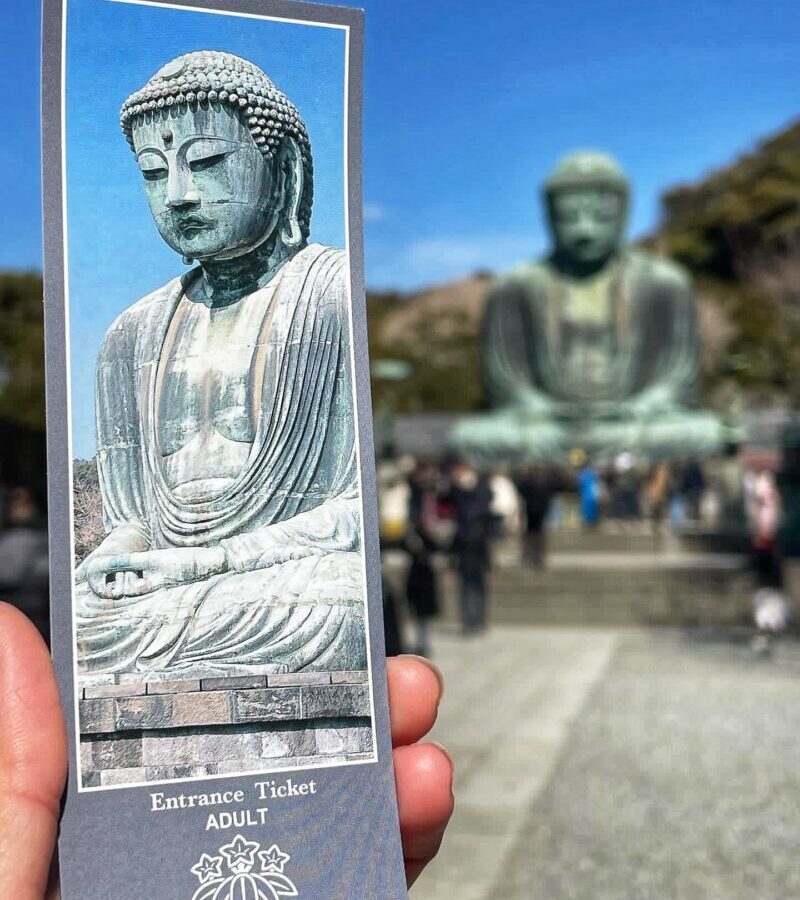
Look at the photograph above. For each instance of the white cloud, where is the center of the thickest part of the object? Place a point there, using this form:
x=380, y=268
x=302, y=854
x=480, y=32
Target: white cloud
x=374, y=212
x=430, y=260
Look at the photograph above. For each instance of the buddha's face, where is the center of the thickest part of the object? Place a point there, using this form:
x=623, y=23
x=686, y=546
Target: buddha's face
x=208, y=186
x=588, y=223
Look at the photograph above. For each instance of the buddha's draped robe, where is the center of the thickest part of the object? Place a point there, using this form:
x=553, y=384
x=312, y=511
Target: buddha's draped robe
x=293, y=597
x=652, y=339
x=537, y=356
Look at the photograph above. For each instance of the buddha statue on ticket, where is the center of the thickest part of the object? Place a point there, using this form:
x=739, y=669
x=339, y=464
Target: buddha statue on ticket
x=594, y=347
x=224, y=401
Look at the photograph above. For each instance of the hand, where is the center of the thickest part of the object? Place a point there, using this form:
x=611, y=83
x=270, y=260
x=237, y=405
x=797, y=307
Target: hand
x=33, y=761
x=123, y=539
x=133, y=574
x=650, y=403
x=423, y=772
x=608, y=411
x=537, y=406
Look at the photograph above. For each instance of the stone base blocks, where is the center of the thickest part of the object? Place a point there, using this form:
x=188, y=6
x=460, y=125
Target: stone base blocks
x=133, y=733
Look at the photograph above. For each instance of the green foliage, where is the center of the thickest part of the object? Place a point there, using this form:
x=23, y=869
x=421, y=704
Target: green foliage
x=738, y=232
x=748, y=209
x=22, y=350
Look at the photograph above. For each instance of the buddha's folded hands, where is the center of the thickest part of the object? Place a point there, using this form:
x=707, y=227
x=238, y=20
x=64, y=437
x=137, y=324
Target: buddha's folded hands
x=122, y=540
x=135, y=574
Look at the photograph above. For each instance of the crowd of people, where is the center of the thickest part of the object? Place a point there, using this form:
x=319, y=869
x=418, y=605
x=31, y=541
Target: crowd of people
x=431, y=509
x=436, y=514
x=440, y=514
x=625, y=490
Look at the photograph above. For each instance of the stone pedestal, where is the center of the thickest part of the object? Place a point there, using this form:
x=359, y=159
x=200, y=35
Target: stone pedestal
x=143, y=732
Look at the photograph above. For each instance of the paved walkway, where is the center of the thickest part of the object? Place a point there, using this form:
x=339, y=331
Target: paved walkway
x=510, y=699
x=619, y=765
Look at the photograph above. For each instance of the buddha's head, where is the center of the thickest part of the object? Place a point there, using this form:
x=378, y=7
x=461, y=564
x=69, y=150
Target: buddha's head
x=225, y=157
x=587, y=206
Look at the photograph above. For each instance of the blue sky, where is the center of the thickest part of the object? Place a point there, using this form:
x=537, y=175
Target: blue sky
x=468, y=105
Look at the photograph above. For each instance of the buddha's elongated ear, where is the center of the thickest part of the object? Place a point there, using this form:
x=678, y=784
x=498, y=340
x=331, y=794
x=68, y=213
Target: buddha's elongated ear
x=291, y=180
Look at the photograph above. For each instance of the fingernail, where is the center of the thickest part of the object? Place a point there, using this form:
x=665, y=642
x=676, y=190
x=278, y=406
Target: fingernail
x=433, y=667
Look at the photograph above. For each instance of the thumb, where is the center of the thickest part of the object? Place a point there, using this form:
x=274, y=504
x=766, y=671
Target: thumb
x=33, y=758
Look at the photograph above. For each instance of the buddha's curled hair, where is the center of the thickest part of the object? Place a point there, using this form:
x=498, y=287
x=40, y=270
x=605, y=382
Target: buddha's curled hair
x=212, y=77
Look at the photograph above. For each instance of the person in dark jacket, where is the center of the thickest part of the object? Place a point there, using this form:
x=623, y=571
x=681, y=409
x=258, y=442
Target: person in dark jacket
x=535, y=488
x=692, y=487
x=422, y=591
x=393, y=638
x=471, y=497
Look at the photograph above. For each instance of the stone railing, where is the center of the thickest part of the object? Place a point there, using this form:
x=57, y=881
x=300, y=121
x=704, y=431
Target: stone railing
x=136, y=732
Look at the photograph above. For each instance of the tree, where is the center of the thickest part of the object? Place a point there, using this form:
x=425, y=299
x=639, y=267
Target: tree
x=738, y=232
x=22, y=350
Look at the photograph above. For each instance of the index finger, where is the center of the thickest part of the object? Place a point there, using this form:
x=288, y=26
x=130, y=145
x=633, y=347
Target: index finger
x=33, y=758
x=415, y=691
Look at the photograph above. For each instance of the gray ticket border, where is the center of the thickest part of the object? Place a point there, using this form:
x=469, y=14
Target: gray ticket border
x=100, y=875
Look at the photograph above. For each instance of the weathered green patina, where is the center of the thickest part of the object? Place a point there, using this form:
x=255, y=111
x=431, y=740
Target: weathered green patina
x=594, y=347
x=225, y=417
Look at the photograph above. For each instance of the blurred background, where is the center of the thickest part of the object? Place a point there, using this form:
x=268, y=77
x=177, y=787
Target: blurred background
x=617, y=630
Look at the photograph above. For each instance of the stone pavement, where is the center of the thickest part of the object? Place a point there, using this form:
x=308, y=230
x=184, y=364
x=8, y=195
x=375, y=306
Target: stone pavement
x=619, y=765
x=510, y=699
